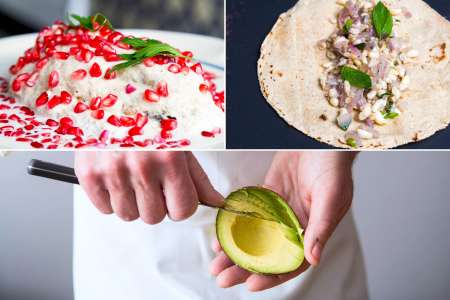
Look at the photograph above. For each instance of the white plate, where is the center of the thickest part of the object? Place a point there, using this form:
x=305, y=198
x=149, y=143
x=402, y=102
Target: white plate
x=208, y=50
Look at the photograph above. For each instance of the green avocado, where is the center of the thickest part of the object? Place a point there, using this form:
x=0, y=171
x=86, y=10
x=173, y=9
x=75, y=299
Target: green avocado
x=265, y=237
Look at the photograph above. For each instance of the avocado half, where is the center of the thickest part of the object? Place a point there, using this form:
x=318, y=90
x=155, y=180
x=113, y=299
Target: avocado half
x=265, y=237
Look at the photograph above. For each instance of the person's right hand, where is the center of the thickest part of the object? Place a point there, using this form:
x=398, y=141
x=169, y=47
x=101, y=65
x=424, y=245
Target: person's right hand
x=149, y=185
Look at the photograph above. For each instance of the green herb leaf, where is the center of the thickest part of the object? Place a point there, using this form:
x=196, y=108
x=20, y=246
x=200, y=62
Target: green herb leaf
x=382, y=20
x=356, y=78
x=348, y=25
x=391, y=115
x=88, y=22
x=352, y=143
x=145, y=49
x=361, y=46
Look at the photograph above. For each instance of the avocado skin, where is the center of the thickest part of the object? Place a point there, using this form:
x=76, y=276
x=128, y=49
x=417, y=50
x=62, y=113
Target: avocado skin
x=278, y=210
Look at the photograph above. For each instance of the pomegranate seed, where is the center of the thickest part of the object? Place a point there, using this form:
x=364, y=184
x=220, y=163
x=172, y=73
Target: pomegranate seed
x=162, y=147
x=46, y=141
x=52, y=147
x=37, y=145
x=203, y=88
x=151, y=96
x=185, y=70
x=108, y=101
x=141, y=120
x=174, y=68
x=75, y=131
x=62, y=55
x=187, y=54
x=87, y=55
x=185, y=142
x=98, y=114
x=104, y=136
x=95, y=103
x=143, y=144
x=41, y=63
x=208, y=134
x=16, y=85
x=23, y=77
x=32, y=80
x=135, y=131
x=112, y=57
x=166, y=134
x=115, y=37
x=208, y=76
x=80, y=107
x=66, y=122
x=95, y=70
x=29, y=127
x=148, y=62
x=53, y=79
x=105, y=31
x=78, y=74
x=51, y=123
x=74, y=50
x=168, y=124
x=127, y=121
x=42, y=99
x=130, y=89
x=110, y=75
x=66, y=97
x=162, y=89
x=197, y=68
x=54, y=101
x=21, y=139
x=115, y=121
x=68, y=145
x=3, y=116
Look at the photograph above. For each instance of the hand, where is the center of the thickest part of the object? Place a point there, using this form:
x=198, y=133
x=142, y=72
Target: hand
x=148, y=185
x=319, y=188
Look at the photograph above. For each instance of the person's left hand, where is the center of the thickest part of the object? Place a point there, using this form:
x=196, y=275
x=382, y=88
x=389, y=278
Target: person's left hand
x=319, y=188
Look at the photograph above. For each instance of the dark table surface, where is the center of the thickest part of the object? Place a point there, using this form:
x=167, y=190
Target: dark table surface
x=251, y=122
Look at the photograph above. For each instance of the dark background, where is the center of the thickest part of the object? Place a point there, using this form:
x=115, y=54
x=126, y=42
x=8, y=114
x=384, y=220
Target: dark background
x=251, y=121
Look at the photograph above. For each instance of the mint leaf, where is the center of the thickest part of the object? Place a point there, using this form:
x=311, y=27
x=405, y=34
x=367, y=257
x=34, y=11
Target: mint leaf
x=348, y=24
x=391, y=115
x=382, y=20
x=352, y=143
x=88, y=22
x=134, y=42
x=356, y=78
x=82, y=21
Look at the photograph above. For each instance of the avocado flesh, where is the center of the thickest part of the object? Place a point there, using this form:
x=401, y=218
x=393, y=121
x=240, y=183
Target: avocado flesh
x=267, y=238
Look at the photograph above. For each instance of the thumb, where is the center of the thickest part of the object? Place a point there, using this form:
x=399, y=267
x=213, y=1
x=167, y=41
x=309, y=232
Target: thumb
x=207, y=194
x=324, y=217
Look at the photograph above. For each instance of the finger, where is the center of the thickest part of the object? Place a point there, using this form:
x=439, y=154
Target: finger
x=150, y=201
x=215, y=245
x=123, y=200
x=92, y=183
x=206, y=192
x=258, y=282
x=220, y=263
x=178, y=187
x=232, y=276
x=327, y=208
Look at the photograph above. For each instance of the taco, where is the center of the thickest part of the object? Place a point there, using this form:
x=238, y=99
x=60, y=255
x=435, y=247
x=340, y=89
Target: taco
x=359, y=73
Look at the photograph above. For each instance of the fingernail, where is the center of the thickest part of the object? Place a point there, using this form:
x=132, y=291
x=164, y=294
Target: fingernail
x=317, y=250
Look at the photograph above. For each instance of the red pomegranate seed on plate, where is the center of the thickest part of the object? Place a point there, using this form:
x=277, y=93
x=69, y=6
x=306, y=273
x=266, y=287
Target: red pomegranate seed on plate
x=98, y=114
x=87, y=55
x=3, y=116
x=68, y=145
x=37, y=145
x=168, y=124
x=148, y=62
x=151, y=96
x=54, y=101
x=141, y=120
x=127, y=121
x=185, y=142
x=135, y=131
x=208, y=134
x=110, y=74
x=51, y=123
x=41, y=63
x=42, y=99
x=109, y=100
x=162, y=89
x=66, y=122
x=46, y=141
x=115, y=37
x=29, y=127
x=95, y=103
x=174, y=68
x=166, y=134
x=74, y=50
x=95, y=70
x=52, y=147
x=130, y=89
x=16, y=85
x=23, y=77
x=53, y=79
x=61, y=55
x=112, y=57
x=113, y=120
x=104, y=135
x=105, y=31
x=22, y=139
x=187, y=54
x=197, y=68
x=66, y=97
x=203, y=88
x=32, y=80
x=78, y=74
x=80, y=107
x=143, y=144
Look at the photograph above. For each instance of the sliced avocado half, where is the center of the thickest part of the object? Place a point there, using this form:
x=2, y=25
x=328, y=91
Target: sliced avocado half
x=265, y=237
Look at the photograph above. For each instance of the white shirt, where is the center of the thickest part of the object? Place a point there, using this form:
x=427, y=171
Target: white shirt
x=116, y=260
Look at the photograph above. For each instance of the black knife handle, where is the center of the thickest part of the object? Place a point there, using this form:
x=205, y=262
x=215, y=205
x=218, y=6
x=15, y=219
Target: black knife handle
x=52, y=171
